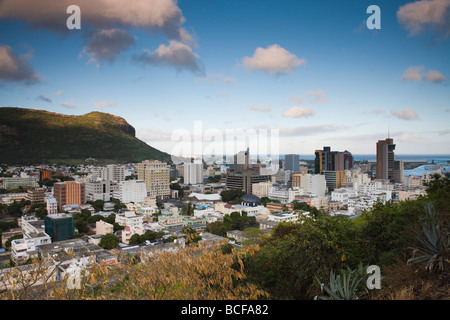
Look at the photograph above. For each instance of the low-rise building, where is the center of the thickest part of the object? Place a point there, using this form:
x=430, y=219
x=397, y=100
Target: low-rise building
x=203, y=211
x=34, y=235
x=35, y=195
x=128, y=232
x=129, y=219
x=102, y=228
x=285, y=195
x=285, y=216
x=52, y=206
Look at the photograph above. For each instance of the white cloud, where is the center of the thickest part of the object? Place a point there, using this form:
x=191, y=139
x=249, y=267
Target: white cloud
x=149, y=15
x=408, y=137
x=15, y=67
x=434, y=76
x=68, y=104
x=425, y=14
x=176, y=54
x=151, y=134
x=405, y=114
x=298, y=112
x=260, y=108
x=413, y=73
x=318, y=96
x=309, y=130
x=104, y=104
x=273, y=60
x=44, y=98
x=216, y=79
x=378, y=112
x=297, y=100
x=106, y=44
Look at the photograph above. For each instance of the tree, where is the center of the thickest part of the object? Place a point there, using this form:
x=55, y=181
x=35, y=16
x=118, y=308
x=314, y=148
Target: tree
x=41, y=213
x=150, y=236
x=231, y=195
x=217, y=228
x=135, y=239
x=95, y=218
x=82, y=226
x=438, y=192
x=252, y=235
x=98, y=204
x=109, y=241
x=297, y=253
x=236, y=221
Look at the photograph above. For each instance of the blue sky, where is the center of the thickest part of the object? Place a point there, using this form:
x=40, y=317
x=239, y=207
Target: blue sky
x=310, y=69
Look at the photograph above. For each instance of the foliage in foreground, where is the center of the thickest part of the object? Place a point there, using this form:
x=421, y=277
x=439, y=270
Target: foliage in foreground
x=346, y=285
x=195, y=272
x=296, y=254
x=433, y=248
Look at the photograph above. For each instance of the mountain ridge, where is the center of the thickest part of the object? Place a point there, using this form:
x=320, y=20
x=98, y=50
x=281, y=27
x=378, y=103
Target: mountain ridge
x=33, y=136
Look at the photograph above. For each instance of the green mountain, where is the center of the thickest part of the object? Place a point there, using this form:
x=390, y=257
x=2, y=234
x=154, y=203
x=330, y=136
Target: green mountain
x=29, y=136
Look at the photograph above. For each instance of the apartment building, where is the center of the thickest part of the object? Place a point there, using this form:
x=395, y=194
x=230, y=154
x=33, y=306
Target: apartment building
x=33, y=235
x=69, y=192
x=129, y=219
x=285, y=195
x=102, y=228
x=52, y=206
x=35, y=195
x=193, y=173
x=156, y=175
x=133, y=191
x=261, y=189
x=98, y=190
x=111, y=172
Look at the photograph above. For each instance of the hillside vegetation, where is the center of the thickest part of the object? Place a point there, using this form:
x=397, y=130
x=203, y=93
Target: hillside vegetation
x=30, y=136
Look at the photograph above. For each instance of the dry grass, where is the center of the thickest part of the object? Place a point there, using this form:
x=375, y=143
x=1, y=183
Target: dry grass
x=402, y=282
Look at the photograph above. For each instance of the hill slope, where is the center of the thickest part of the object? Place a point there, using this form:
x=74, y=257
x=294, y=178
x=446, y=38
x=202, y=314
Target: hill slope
x=29, y=136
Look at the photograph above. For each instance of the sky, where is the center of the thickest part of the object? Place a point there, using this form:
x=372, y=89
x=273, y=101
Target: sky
x=306, y=74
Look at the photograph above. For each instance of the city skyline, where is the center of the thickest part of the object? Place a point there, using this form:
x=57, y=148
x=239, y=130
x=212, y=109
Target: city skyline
x=312, y=70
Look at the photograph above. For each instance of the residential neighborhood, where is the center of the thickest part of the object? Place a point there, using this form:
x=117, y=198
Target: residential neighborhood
x=149, y=206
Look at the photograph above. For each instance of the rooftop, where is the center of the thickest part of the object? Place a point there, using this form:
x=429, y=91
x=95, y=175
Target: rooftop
x=210, y=197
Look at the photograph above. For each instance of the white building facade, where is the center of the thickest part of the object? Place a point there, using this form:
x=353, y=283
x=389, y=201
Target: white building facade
x=133, y=191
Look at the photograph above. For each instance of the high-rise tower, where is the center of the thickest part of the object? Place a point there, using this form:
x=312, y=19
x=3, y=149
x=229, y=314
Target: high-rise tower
x=385, y=159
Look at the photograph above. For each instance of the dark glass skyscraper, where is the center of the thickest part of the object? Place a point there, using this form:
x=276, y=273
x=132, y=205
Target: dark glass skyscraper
x=291, y=162
x=327, y=160
x=385, y=159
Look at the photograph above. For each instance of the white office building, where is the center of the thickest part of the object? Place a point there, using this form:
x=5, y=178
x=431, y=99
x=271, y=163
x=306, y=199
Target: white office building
x=98, y=190
x=343, y=194
x=33, y=235
x=193, y=173
x=314, y=183
x=129, y=219
x=285, y=195
x=133, y=191
x=111, y=172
